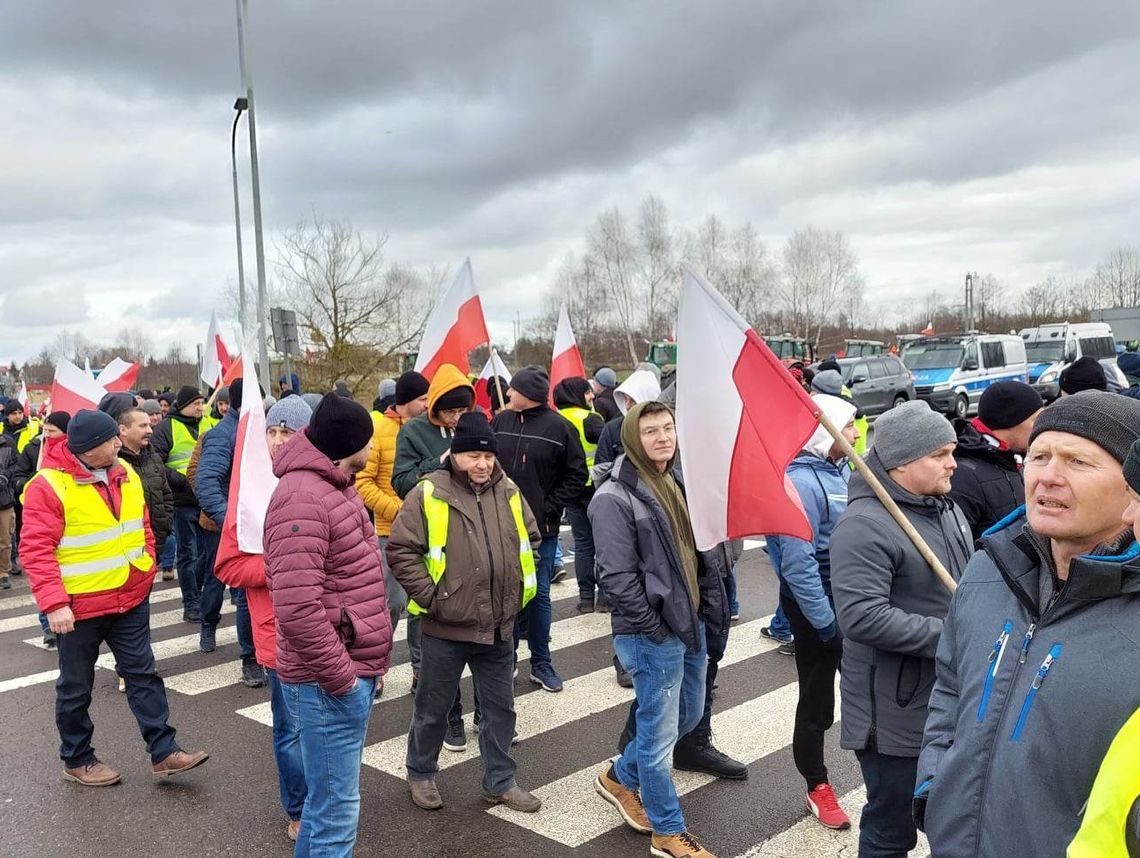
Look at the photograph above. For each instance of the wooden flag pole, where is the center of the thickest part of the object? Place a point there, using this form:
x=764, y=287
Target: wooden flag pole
x=495, y=375
x=884, y=497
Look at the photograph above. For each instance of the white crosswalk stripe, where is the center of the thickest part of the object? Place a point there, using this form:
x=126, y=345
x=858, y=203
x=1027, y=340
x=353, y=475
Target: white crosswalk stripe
x=157, y=621
x=31, y=621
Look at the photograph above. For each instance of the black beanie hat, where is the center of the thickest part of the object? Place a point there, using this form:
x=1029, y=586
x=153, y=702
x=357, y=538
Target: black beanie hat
x=1132, y=467
x=1005, y=404
x=473, y=434
x=340, y=427
x=571, y=393
x=58, y=419
x=12, y=406
x=458, y=397
x=532, y=382
x=115, y=404
x=186, y=395
x=88, y=429
x=1109, y=420
x=235, y=394
x=1085, y=373
x=411, y=385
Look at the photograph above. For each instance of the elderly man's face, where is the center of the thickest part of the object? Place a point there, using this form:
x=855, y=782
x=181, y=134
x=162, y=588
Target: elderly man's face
x=1074, y=489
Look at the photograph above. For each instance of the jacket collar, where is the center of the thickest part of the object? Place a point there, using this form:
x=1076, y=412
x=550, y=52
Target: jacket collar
x=454, y=487
x=58, y=456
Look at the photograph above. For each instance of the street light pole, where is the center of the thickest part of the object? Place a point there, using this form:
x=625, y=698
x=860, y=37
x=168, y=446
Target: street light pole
x=239, y=105
x=259, y=242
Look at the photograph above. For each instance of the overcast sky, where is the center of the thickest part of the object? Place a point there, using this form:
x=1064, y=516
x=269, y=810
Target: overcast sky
x=942, y=138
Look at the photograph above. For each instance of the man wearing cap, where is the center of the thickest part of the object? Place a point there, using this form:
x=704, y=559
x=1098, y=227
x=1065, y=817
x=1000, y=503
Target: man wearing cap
x=1085, y=373
x=173, y=442
x=540, y=450
x=1039, y=661
x=423, y=441
x=604, y=382
x=239, y=568
x=334, y=634
x=152, y=408
x=889, y=606
x=461, y=548
x=987, y=485
x=89, y=552
x=375, y=482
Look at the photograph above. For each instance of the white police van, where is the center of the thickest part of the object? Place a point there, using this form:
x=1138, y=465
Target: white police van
x=951, y=371
x=1050, y=349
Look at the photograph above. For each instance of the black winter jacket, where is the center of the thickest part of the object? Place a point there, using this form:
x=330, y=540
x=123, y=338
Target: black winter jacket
x=8, y=461
x=156, y=490
x=540, y=450
x=605, y=404
x=987, y=485
x=162, y=442
x=26, y=465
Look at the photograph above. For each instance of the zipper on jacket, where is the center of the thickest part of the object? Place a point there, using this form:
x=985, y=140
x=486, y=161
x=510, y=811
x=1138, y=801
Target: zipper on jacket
x=1042, y=672
x=1026, y=641
x=995, y=664
x=490, y=554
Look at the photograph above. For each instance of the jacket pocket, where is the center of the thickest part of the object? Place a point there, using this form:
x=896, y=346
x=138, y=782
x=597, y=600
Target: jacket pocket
x=347, y=629
x=908, y=681
x=993, y=665
x=447, y=606
x=1038, y=681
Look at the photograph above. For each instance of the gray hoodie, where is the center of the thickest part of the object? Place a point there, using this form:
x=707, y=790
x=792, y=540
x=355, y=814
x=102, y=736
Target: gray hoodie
x=1027, y=699
x=890, y=606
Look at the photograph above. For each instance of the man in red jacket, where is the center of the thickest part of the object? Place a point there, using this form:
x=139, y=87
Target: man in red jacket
x=334, y=633
x=89, y=552
x=236, y=568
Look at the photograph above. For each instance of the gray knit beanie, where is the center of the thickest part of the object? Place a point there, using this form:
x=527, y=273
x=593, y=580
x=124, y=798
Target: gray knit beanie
x=1109, y=420
x=910, y=431
x=292, y=412
x=828, y=381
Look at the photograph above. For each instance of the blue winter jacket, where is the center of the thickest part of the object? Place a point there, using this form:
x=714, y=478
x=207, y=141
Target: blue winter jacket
x=212, y=481
x=804, y=567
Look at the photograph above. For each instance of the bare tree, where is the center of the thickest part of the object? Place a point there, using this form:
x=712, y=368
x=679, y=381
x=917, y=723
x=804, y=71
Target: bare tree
x=614, y=254
x=659, y=267
x=1044, y=301
x=1116, y=281
x=819, y=266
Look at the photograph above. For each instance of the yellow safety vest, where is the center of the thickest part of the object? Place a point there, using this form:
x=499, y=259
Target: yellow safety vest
x=27, y=434
x=183, y=449
x=578, y=416
x=207, y=423
x=97, y=550
x=437, y=513
x=1116, y=789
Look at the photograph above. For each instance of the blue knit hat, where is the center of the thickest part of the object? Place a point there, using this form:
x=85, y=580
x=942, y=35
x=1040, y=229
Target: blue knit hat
x=88, y=429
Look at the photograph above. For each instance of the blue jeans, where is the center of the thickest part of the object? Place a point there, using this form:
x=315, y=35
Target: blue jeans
x=213, y=594
x=780, y=626
x=730, y=591
x=286, y=750
x=583, y=550
x=332, y=748
x=886, y=827
x=189, y=537
x=166, y=556
x=669, y=683
x=538, y=611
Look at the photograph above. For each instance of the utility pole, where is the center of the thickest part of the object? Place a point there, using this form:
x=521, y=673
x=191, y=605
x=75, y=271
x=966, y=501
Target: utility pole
x=239, y=106
x=259, y=241
x=970, y=279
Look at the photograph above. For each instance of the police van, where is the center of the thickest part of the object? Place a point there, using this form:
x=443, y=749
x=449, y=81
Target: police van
x=952, y=370
x=1051, y=348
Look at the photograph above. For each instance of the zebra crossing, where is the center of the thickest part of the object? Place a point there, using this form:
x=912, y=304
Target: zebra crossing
x=565, y=739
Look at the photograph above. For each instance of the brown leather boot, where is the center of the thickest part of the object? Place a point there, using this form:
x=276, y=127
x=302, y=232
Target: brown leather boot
x=625, y=800
x=293, y=829
x=94, y=774
x=682, y=845
x=179, y=762
x=516, y=798
x=425, y=794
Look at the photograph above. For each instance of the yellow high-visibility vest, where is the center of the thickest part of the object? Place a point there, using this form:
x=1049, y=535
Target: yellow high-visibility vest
x=437, y=513
x=97, y=550
x=183, y=449
x=1115, y=791
x=208, y=422
x=27, y=434
x=578, y=417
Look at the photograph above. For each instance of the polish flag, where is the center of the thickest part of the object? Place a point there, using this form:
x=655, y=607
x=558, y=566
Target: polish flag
x=74, y=389
x=118, y=376
x=215, y=356
x=567, y=361
x=741, y=419
x=252, y=481
x=22, y=397
x=456, y=326
x=486, y=380
x=929, y=329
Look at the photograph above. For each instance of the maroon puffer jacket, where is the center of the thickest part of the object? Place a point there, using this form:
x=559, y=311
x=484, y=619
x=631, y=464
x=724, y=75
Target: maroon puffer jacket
x=322, y=564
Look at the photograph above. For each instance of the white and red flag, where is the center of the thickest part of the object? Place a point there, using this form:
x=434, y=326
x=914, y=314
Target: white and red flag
x=486, y=380
x=118, y=376
x=456, y=326
x=74, y=389
x=215, y=356
x=22, y=397
x=741, y=419
x=567, y=361
x=929, y=329
x=252, y=482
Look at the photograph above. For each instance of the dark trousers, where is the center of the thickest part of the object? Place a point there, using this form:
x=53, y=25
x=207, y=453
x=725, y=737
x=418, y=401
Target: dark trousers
x=886, y=828
x=816, y=665
x=716, y=644
x=128, y=637
x=188, y=535
x=583, y=549
x=492, y=668
x=213, y=594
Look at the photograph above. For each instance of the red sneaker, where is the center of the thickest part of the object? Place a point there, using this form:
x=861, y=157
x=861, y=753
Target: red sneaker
x=824, y=806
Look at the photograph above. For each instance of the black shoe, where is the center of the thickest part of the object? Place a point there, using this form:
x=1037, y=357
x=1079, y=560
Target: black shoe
x=17, y=568
x=252, y=674
x=601, y=606
x=699, y=755
x=5, y=582
x=206, y=639
x=585, y=606
x=49, y=640
x=623, y=677
x=558, y=574
x=455, y=740
x=192, y=616
x=788, y=648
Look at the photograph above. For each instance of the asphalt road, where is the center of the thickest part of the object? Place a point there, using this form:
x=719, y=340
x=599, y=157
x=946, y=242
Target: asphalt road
x=230, y=806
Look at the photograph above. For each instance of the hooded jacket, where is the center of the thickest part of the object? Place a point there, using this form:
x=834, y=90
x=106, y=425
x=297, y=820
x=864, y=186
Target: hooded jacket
x=322, y=566
x=1028, y=697
x=422, y=441
x=540, y=450
x=479, y=593
x=162, y=441
x=375, y=482
x=43, y=528
x=641, y=386
x=890, y=609
x=571, y=394
x=156, y=489
x=987, y=485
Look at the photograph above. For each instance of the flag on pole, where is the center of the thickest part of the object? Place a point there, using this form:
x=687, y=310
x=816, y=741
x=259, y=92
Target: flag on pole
x=252, y=482
x=486, y=380
x=741, y=419
x=22, y=397
x=455, y=327
x=567, y=361
x=118, y=376
x=74, y=389
x=87, y=368
x=929, y=329
x=215, y=356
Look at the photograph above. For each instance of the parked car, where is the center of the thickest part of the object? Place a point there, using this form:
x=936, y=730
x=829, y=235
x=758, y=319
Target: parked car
x=951, y=371
x=877, y=383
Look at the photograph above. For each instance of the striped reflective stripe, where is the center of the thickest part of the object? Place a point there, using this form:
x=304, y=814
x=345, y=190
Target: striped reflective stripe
x=86, y=540
x=105, y=564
